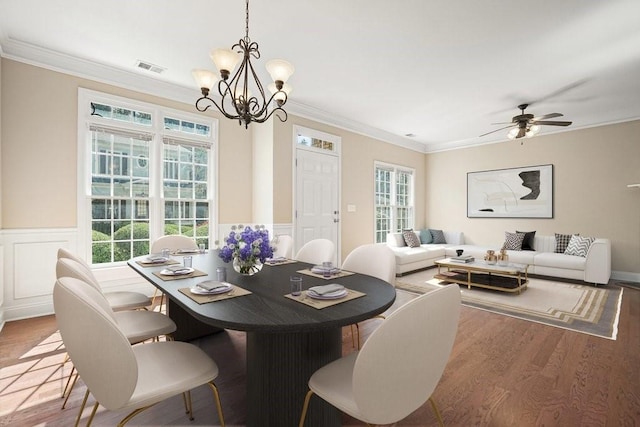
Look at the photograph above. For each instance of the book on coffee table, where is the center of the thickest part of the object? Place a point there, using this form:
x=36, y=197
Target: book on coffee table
x=463, y=258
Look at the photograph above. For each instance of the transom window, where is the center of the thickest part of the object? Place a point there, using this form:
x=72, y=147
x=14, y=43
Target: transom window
x=393, y=200
x=149, y=172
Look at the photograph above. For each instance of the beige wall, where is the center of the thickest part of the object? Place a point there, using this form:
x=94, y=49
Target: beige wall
x=592, y=168
x=40, y=144
x=358, y=156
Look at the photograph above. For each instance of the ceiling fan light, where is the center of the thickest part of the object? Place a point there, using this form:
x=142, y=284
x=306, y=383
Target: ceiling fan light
x=513, y=133
x=532, y=131
x=280, y=70
x=225, y=60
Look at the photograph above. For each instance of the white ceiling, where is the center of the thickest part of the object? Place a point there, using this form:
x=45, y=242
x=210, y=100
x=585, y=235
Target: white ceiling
x=442, y=70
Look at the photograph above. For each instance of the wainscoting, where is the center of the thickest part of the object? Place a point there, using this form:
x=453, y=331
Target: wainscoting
x=27, y=269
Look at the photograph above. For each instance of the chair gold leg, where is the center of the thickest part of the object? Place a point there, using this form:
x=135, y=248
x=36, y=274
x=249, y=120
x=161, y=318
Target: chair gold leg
x=184, y=400
x=131, y=415
x=218, y=403
x=189, y=405
x=437, y=412
x=358, y=335
x=66, y=359
x=84, y=402
x=93, y=414
x=66, y=393
x=303, y=416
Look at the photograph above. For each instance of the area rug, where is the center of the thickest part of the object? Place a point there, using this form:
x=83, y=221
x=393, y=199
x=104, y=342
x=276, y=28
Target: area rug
x=581, y=308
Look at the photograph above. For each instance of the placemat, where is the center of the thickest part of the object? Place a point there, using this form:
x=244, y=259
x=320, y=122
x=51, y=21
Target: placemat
x=194, y=273
x=157, y=264
x=324, y=303
x=204, y=299
x=342, y=273
x=289, y=261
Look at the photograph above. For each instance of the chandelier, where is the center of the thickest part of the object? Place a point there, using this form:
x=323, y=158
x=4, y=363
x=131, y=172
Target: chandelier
x=237, y=99
x=523, y=130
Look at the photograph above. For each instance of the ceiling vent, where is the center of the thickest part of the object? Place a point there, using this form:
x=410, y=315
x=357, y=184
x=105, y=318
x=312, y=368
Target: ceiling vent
x=147, y=66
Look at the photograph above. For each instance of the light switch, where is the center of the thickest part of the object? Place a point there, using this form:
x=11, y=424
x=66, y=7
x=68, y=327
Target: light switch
x=351, y=208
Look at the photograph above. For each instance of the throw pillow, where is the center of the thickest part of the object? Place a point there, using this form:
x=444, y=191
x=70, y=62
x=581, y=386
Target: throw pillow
x=425, y=237
x=529, y=238
x=562, y=241
x=579, y=246
x=410, y=238
x=513, y=241
x=438, y=236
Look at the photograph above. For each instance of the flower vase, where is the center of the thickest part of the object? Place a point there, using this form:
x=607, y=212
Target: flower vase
x=246, y=268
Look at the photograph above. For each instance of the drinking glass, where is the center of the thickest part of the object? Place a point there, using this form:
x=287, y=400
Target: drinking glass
x=296, y=285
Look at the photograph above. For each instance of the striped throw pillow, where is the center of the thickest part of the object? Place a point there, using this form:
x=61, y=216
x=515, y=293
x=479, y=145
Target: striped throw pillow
x=513, y=241
x=579, y=246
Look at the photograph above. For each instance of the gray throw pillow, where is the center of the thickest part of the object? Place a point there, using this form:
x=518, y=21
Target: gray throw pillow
x=438, y=236
x=579, y=246
x=425, y=237
x=410, y=238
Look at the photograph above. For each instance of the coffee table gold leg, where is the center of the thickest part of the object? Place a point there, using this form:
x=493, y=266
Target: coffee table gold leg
x=468, y=279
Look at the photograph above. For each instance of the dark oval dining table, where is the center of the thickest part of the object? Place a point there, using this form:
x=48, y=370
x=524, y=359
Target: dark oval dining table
x=287, y=341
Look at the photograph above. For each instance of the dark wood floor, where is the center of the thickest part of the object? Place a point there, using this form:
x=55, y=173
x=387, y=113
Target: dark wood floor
x=502, y=372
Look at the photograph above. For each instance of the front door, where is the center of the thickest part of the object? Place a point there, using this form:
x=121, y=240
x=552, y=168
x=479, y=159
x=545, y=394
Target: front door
x=317, y=197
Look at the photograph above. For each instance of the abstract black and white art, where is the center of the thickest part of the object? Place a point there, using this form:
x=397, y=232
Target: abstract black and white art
x=525, y=192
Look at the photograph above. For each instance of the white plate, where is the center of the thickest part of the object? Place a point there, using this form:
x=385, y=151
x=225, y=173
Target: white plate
x=167, y=272
x=199, y=291
x=155, y=260
x=188, y=251
x=331, y=295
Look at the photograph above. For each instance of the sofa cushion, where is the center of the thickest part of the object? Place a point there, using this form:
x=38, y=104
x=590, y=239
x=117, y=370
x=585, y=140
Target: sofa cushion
x=579, y=246
x=407, y=255
x=411, y=238
x=554, y=260
x=438, y=236
x=395, y=240
x=529, y=238
x=425, y=237
x=562, y=241
x=513, y=241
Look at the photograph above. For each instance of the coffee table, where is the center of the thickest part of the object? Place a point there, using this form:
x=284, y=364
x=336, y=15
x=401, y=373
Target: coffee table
x=507, y=278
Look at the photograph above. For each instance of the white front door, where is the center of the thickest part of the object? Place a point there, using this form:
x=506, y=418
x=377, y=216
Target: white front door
x=317, y=198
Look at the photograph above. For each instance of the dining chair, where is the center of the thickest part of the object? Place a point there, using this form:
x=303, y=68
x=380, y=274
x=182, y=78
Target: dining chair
x=375, y=260
x=173, y=242
x=283, y=245
x=118, y=300
x=399, y=365
x=317, y=251
x=137, y=325
x=121, y=376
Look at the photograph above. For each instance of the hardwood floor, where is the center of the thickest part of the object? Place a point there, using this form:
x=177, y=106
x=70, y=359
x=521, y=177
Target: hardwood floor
x=502, y=372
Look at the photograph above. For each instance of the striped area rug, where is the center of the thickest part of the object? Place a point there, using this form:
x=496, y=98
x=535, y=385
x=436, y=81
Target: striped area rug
x=581, y=308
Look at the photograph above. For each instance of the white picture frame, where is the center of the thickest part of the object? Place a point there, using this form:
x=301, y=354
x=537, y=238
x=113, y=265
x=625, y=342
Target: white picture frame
x=524, y=192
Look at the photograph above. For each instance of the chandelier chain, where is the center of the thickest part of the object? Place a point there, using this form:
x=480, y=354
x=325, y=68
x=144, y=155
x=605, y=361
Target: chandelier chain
x=247, y=20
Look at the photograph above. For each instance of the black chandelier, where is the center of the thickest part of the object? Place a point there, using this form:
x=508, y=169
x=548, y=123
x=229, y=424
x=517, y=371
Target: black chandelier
x=237, y=101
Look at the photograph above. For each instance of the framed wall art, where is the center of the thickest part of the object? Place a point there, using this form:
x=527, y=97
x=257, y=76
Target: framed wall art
x=525, y=192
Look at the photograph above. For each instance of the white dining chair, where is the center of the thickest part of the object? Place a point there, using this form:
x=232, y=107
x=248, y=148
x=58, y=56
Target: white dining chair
x=399, y=365
x=283, y=245
x=121, y=376
x=173, y=242
x=375, y=260
x=137, y=325
x=317, y=251
x=118, y=300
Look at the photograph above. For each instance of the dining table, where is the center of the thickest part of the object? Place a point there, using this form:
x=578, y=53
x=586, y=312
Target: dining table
x=287, y=338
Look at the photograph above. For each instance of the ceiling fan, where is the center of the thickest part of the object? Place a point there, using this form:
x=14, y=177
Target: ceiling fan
x=526, y=125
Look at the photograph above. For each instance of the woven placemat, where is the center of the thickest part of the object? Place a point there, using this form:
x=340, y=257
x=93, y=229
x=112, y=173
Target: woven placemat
x=204, y=299
x=324, y=303
x=342, y=273
x=194, y=273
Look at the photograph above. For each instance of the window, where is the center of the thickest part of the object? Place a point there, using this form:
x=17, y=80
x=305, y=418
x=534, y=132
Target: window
x=393, y=200
x=149, y=172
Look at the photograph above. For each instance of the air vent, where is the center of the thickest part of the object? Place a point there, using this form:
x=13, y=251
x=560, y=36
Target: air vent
x=147, y=66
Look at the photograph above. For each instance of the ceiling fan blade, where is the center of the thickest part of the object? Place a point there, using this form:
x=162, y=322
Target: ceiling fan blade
x=497, y=130
x=548, y=116
x=552, y=123
x=503, y=123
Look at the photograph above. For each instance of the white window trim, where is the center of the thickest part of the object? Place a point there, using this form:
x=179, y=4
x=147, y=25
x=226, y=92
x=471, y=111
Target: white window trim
x=156, y=208
x=395, y=168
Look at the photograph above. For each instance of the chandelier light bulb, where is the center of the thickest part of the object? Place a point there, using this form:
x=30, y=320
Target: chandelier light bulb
x=513, y=133
x=532, y=131
x=225, y=61
x=280, y=70
x=205, y=79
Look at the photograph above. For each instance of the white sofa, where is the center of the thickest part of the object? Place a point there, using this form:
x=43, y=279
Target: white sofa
x=594, y=268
